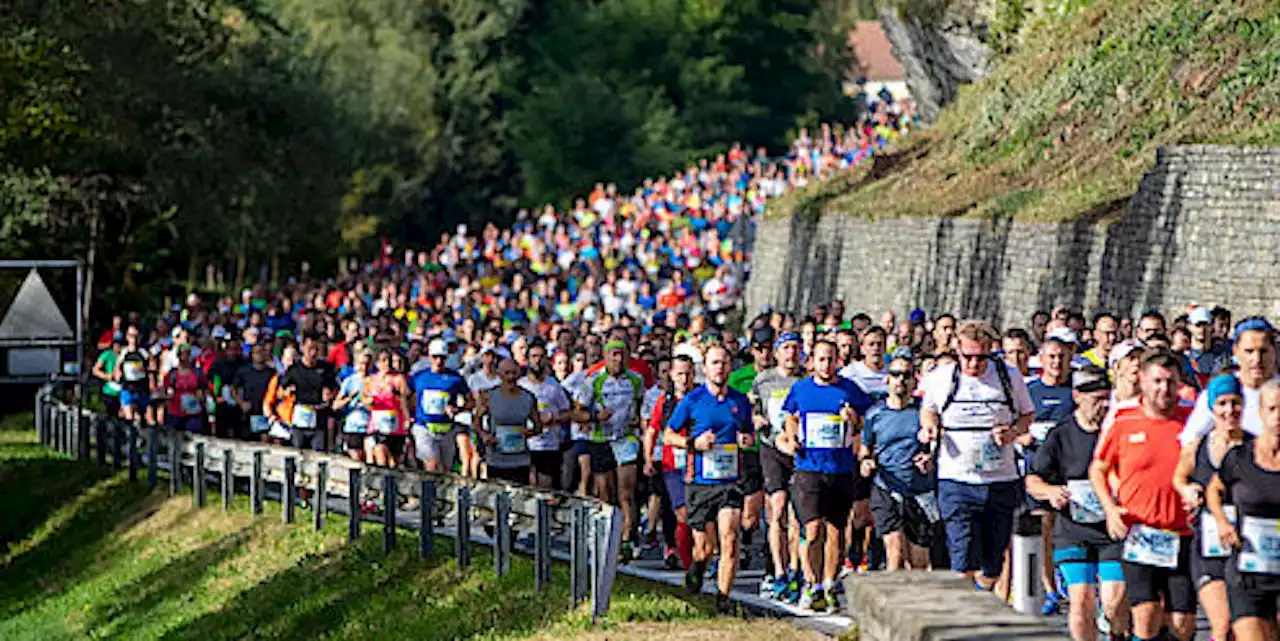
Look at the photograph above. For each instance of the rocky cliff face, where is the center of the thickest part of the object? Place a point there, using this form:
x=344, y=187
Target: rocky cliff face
x=939, y=52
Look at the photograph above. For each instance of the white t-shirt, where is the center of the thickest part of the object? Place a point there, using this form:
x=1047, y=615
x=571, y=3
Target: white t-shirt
x=967, y=452
x=481, y=382
x=572, y=385
x=1201, y=420
x=871, y=381
x=551, y=397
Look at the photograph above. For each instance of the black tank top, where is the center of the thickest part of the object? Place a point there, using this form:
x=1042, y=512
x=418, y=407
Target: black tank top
x=1205, y=469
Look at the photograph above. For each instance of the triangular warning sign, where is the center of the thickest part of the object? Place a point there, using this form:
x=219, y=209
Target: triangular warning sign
x=34, y=314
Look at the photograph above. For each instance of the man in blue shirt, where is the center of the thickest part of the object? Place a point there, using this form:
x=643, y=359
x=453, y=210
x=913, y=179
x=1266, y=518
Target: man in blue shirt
x=440, y=394
x=903, y=502
x=718, y=419
x=1051, y=394
x=823, y=417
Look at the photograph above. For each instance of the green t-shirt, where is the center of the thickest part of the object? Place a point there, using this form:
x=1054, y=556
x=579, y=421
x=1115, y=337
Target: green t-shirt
x=740, y=380
x=108, y=360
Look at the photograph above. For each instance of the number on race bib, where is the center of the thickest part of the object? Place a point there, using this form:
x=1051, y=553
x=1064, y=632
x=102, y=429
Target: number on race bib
x=304, y=417
x=510, y=439
x=259, y=424
x=720, y=463
x=1261, y=540
x=1040, y=430
x=383, y=421
x=434, y=402
x=1150, y=546
x=1085, y=506
x=928, y=502
x=824, y=431
x=1211, y=546
x=133, y=371
x=190, y=404
x=989, y=457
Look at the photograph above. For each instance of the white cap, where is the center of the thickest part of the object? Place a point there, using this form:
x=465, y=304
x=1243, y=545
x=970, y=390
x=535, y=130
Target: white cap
x=1199, y=316
x=1063, y=335
x=437, y=347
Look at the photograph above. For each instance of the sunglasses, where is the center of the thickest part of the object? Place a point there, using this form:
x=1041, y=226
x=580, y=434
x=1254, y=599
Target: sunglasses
x=974, y=357
x=900, y=374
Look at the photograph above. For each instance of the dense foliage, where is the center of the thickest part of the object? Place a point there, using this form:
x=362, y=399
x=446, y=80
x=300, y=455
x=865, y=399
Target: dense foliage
x=162, y=136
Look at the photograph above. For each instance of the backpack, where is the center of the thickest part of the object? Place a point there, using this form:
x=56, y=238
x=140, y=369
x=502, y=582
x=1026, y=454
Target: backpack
x=1002, y=372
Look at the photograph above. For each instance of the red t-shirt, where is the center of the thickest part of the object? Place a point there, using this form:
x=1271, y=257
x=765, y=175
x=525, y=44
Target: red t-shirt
x=1144, y=452
x=656, y=424
x=338, y=356
x=185, y=401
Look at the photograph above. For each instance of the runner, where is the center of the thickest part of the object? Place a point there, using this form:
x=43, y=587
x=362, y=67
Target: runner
x=355, y=422
x=184, y=386
x=973, y=411
x=249, y=388
x=673, y=462
x=441, y=395
x=903, y=501
x=505, y=418
x=385, y=392
x=1088, y=559
x=104, y=369
x=131, y=374
x=1249, y=478
x=1141, y=449
x=610, y=401
x=868, y=370
x=553, y=408
x=1199, y=463
x=311, y=385
x=823, y=418
x=1254, y=353
x=752, y=475
x=768, y=393
x=1106, y=333
x=1051, y=392
x=717, y=420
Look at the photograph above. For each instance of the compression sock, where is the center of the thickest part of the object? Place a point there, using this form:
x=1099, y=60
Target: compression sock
x=684, y=544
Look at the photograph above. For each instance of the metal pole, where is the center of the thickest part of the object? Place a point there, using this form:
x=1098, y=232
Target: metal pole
x=100, y=432
x=117, y=439
x=322, y=493
x=542, y=546
x=290, y=489
x=60, y=441
x=228, y=478
x=80, y=371
x=462, y=544
x=175, y=465
x=427, y=514
x=388, y=512
x=578, y=555
x=502, y=534
x=353, y=503
x=197, y=476
x=153, y=456
x=133, y=453
x=255, y=485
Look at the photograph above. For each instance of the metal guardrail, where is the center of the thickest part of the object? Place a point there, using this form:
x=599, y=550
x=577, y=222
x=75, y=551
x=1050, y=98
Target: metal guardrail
x=584, y=532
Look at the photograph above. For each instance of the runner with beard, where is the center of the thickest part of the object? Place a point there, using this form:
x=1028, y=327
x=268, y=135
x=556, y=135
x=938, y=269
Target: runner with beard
x=553, y=409
x=311, y=384
x=249, y=388
x=768, y=393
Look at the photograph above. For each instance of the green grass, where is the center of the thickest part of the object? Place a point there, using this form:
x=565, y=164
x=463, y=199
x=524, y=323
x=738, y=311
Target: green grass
x=1072, y=115
x=89, y=556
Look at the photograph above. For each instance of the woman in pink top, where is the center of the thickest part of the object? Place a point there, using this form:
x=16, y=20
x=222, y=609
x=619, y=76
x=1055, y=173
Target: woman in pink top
x=385, y=394
x=185, y=388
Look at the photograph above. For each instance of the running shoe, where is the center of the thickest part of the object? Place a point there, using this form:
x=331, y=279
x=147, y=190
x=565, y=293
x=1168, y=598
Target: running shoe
x=713, y=565
x=818, y=601
x=672, y=561
x=693, y=581
x=767, y=585
x=1052, y=604
x=806, y=599
x=725, y=606
x=795, y=583
x=847, y=568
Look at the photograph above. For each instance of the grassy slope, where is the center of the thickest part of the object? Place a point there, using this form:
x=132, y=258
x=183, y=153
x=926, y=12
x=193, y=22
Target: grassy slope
x=88, y=556
x=1070, y=120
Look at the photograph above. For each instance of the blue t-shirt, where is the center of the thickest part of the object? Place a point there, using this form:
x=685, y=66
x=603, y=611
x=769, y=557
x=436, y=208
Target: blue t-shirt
x=356, y=419
x=891, y=435
x=702, y=412
x=433, y=392
x=813, y=403
x=1053, y=404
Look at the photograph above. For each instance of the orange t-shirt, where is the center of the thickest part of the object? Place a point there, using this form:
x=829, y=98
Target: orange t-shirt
x=1143, y=452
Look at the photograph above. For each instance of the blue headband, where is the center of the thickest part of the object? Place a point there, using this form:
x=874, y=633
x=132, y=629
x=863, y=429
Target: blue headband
x=1223, y=384
x=1255, y=324
x=786, y=337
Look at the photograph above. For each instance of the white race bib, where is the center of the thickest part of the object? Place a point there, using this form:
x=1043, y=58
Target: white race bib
x=720, y=463
x=434, y=402
x=929, y=503
x=279, y=430
x=383, y=421
x=1085, y=506
x=680, y=457
x=1040, y=430
x=259, y=424
x=985, y=455
x=773, y=409
x=625, y=451
x=133, y=371
x=1150, y=546
x=189, y=403
x=510, y=439
x=304, y=417
x=1211, y=546
x=823, y=431
x=1261, y=545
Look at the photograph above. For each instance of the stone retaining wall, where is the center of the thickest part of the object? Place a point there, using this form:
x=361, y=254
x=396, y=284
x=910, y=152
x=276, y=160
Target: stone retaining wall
x=1203, y=227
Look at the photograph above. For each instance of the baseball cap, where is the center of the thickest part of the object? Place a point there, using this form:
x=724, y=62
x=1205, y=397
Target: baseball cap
x=437, y=347
x=916, y=317
x=1123, y=349
x=762, y=336
x=219, y=332
x=1199, y=316
x=1064, y=335
x=1090, y=378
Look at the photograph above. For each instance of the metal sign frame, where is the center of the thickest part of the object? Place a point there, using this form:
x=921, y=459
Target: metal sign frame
x=76, y=341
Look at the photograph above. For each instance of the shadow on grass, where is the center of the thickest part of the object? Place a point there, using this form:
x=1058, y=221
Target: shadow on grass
x=34, y=484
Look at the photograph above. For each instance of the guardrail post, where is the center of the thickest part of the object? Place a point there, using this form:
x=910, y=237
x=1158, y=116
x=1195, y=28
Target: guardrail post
x=82, y=435
x=502, y=534
x=256, y=485
x=153, y=456
x=542, y=545
x=228, y=478
x=59, y=428
x=289, y=488
x=599, y=547
x=462, y=543
x=353, y=503
x=322, y=493
x=100, y=434
x=117, y=439
x=427, y=514
x=133, y=452
x=197, y=476
x=175, y=465
x=388, y=512
x=578, y=570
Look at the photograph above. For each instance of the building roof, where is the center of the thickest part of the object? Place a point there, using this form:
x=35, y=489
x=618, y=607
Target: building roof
x=875, y=59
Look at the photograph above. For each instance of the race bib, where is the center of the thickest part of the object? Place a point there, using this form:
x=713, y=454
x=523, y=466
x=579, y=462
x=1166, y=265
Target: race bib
x=823, y=431
x=1040, y=430
x=625, y=451
x=680, y=458
x=189, y=404
x=720, y=463
x=986, y=455
x=383, y=421
x=1211, y=546
x=773, y=409
x=1085, y=506
x=1260, y=539
x=279, y=430
x=434, y=402
x=304, y=417
x=111, y=388
x=210, y=404
x=259, y=424
x=1150, y=546
x=133, y=371
x=510, y=439
x=928, y=502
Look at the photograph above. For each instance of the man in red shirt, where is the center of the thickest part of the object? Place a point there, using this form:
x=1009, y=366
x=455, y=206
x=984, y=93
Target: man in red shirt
x=1141, y=449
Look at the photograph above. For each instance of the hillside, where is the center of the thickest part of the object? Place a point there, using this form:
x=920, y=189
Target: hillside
x=1071, y=117
x=86, y=556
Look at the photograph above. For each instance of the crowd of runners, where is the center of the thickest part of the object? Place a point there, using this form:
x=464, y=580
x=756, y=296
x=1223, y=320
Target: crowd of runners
x=591, y=351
